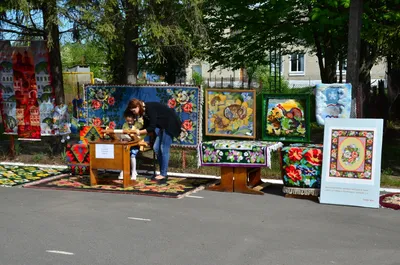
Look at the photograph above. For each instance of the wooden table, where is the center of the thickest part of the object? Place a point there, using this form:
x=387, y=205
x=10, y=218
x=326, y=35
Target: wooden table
x=111, y=154
x=240, y=163
x=239, y=179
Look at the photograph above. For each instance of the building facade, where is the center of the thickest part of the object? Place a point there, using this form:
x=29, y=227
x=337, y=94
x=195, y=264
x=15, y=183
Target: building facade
x=300, y=70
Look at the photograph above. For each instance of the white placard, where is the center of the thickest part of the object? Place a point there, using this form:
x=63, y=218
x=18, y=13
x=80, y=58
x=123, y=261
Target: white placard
x=105, y=151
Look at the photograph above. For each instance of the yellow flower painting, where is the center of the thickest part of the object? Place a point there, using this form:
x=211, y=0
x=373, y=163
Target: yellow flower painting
x=230, y=112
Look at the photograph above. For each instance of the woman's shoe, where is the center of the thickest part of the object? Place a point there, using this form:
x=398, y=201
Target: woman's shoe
x=162, y=181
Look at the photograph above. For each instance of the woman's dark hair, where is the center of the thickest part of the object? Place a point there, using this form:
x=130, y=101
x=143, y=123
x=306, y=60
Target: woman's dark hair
x=133, y=103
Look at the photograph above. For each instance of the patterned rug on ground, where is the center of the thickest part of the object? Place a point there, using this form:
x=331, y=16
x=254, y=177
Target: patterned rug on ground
x=108, y=182
x=390, y=200
x=11, y=175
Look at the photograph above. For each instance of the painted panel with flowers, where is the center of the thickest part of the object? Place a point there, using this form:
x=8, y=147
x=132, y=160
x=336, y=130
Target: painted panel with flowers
x=301, y=165
x=351, y=154
x=230, y=113
x=106, y=105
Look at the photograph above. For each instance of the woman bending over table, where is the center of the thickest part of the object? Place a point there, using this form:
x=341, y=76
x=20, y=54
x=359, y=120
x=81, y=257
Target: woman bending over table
x=157, y=115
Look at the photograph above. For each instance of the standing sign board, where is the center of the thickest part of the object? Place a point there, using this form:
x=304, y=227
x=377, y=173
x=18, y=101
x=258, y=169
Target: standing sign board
x=351, y=168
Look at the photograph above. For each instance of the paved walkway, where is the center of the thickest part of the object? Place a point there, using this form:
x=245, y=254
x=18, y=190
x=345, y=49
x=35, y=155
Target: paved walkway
x=46, y=227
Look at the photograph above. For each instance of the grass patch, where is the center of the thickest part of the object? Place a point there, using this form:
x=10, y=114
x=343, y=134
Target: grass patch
x=389, y=181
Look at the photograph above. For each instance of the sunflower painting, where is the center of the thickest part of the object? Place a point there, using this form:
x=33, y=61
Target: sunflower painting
x=286, y=118
x=230, y=113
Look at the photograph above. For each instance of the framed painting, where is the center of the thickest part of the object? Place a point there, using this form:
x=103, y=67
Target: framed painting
x=286, y=117
x=230, y=113
x=352, y=162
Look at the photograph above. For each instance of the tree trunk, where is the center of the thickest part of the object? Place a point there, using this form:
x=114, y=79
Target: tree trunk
x=52, y=37
x=326, y=60
x=353, y=50
x=330, y=61
x=131, y=43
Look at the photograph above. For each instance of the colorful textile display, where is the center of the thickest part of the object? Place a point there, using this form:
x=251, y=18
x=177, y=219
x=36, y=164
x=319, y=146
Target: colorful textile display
x=236, y=153
x=25, y=89
x=61, y=120
x=78, y=110
x=351, y=168
x=301, y=169
x=106, y=105
x=44, y=91
x=78, y=158
x=12, y=175
x=7, y=99
x=173, y=188
x=332, y=101
x=231, y=113
x=89, y=133
x=286, y=117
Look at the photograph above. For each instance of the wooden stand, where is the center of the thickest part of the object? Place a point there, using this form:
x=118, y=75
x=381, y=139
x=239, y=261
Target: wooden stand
x=239, y=179
x=121, y=160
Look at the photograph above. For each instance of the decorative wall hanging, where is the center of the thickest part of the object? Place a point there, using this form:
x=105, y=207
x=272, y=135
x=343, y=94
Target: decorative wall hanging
x=45, y=91
x=286, y=117
x=25, y=89
x=7, y=100
x=351, y=168
x=231, y=113
x=332, y=101
x=106, y=105
x=43, y=88
x=301, y=166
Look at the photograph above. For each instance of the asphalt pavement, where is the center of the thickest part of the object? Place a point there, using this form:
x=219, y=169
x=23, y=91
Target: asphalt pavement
x=49, y=227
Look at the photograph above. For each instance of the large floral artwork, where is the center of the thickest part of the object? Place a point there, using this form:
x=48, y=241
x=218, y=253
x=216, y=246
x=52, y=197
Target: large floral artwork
x=332, y=101
x=230, y=113
x=106, y=104
x=301, y=168
x=351, y=155
x=286, y=118
x=351, y=167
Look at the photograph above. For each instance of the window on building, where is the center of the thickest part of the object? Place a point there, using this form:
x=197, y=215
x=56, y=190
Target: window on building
x=296, y=64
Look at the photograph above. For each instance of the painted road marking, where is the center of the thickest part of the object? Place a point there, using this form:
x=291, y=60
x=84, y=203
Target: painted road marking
x=139, y=219
x=196, y=197
x=60, y=252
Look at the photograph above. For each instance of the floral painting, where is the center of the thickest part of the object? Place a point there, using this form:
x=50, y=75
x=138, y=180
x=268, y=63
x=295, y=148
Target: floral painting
x=351, y=154
x=106, y=104
x=230, y=113
x=286, y=118
x=302, y=165
x=351, y=167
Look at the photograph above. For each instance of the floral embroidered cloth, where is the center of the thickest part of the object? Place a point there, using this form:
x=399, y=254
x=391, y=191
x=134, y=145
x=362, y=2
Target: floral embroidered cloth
x=301, y=168
x=106, y=105
x=236, y=153
x=351, y=154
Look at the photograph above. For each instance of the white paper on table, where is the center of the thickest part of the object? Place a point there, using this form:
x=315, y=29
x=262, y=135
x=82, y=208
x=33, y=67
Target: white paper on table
x=105, y=151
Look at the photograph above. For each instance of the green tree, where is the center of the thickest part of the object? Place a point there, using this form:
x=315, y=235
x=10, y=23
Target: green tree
x=152, y=30
x=90, y=53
